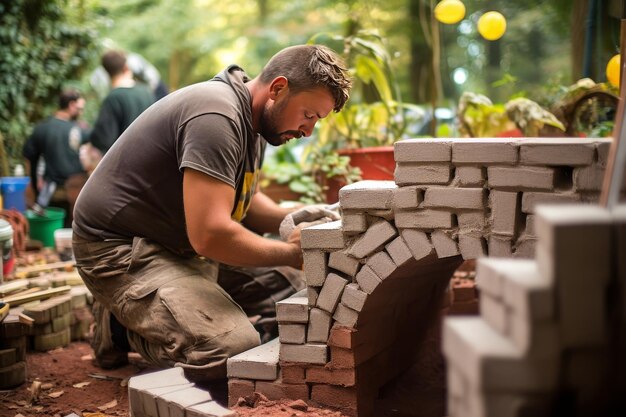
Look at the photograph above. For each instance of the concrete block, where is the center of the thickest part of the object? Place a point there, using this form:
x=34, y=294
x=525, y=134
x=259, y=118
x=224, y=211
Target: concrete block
x=469, y=176
x=343, y=262
x=472, y=246
x=444, y=244
x=373, y=239
x=521, y=178
x=315, y=353
x=315, y=267
x=455, y=198
x=331, y=292
x=423, y=150
x=292, y=333
x=367, y=279
x=209, y=409
x=413, y=174
x=323, y=236
x=353, y=297
x=382, y=264
x=260, y=362
x=173, y=404
x=312, y=294
x=399, y=251
x=293, y=310
x=504, y=212
x=487, y=151
x=319, y=326
x=353, y=222
x=532, y=199
x=424, y=219
x=557, y=151
x=495, y=314
x=407, y=197
x=417, y=242
x=345, y=316
x=367, y=195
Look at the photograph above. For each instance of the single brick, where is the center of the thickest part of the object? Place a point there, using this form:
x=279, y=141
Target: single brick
x=277, y=390
x=423, y=150
x=315, y=267
x=469, y=176
x=293, y=310
x=504, y=212
x=292, y=333
x=494, y=312
x=319, y=326
x=399, y=251
x=13, y=375
x=470, y=221
x=312, y=294
x=293, y=374
x=260, y=362
x=418, y=243
x=353, y=222
x=315, y=353
x=45, y=342
x=407, y=197
x=530, y=226
x=532, y=178
x=239, y=388
x=173, y=404
x=532, y=199
x=345, y=316
x=456, y=198
x=209, y=409
x=331, y=376
x=342, y=337
x=168, y=380
x=524, y=248
x=603, y=146
x=331, y=292
x=382, y=264
x=7, y=357
x=489, y=151
x=500, y=246
x=367, y=279
x=353, y=297
x=424, y=219
x=323, y=236
x=557, y=151
x=373, y=239
x=343, y=262
x=444, y=244
x=410, y=174
x=367, y=195
x=472, y=247
x=589, y=178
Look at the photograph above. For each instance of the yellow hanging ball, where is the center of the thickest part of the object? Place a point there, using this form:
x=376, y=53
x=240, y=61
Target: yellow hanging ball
x=492, y=25
x=612, y=70
x=450, y=11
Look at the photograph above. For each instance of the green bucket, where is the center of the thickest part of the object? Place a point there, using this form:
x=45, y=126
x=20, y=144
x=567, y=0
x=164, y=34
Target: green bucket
x=42, y=227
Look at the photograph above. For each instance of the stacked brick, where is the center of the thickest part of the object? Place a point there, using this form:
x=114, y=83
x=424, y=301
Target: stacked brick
x=547, y=341
x=52, y=318
x=13, y=343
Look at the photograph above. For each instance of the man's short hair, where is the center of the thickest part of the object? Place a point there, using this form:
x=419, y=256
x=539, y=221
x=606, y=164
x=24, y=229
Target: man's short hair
x=67, y=96
x=307, y=67
x=114, y=62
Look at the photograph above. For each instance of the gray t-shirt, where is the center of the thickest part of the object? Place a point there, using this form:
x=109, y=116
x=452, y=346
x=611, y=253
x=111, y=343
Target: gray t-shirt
x=137, y=189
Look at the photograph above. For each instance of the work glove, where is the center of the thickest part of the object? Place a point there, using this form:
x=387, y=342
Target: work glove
x=305, y=217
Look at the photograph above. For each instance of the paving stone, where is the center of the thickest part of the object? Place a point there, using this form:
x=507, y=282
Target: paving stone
x=293, y=310
x=485, y=151
x=292, y=333
x=504, y=212
x=209, y=409
x=418, y=243
x=424, y=219
x=407, y=197
x=456, y=198
x=469, y=176
x=343, y=262
x=259, y=363
x=323, y=236
x=444, y=244
x=373, y=239
x=367, y=279
x=471, y=246
x=315, y=353
x=353, y=222
x=557, y=151
x=532, y=199
x=412, y=174
x=319, y=326
x=399, y=251
x=315, y=267
x=367, y=195
x=382, y=264
x=346, y=316
x=353, y=297
x=423, y=150
x=521, y=178
x=331, y=292
x=173, y=404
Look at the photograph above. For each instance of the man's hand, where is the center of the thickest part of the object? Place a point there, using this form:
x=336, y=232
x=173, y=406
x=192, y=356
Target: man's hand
x=305, y=217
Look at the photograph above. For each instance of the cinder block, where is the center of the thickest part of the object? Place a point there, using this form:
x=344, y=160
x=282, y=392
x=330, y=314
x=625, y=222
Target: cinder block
x=353, y=222
x=504, y=212
x=353, y=297
x=495, y=314
x=292, y=333
x=444, y=244
x=315, y=267
x=173, y=404
x=367, y=279
x=315, y=353
x=414, y=174
x=367, y=195
x=293, y=310
x=531, y=199
x=399, y=251
x=521, y=178
x=382, y=264
x=469, y=176
x=455, y=198
x=500, y=246
x=346, y=316
x=472, y=246
x=209, y=409
x=373, y=239
x=407, y=197
x=260, y=362
x=343, y=262
x=424, y=219
x=319, y=326
x=323, y=236
x=423, y=150
x=471, y=221
x=557, y=151
x=417, y=242
x=331, y=292
x=485, y=151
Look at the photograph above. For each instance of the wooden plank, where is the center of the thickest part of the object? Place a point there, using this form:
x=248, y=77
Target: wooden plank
x=39, y=295
x=28, y=270
x=12, y=286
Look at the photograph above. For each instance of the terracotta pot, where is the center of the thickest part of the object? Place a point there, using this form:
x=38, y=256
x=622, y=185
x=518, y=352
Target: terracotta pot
x=280, y=192
x=376, y=163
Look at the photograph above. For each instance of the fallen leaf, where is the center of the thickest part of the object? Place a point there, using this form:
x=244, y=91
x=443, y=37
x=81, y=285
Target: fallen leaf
x=56, y=394
x=81, y=384
x=108, y=405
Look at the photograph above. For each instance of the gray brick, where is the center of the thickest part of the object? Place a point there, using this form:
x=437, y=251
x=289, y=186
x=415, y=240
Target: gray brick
x=469, y=176
x=315, y=267
x=407, y=197
x=260, y=362
x=423, y=150
x=209, y=409
x=399, y=251
x=312, y=294
x=494, y=312
x=319, y=326
x=331, y=292
x=292, y=333
x=532, y=178
x=353, y=222
x=293, y=310
x=367, y=195
x=456, y=198
x=173, y=378
x=504, y=212
x=471, y=221
x=424, y=219
x=382, y=264
x=557, y=151
x=589, y=178
x=353, y=297
x=485, y=151
x=531, y=199
x=500, y=246
x=603, y=146
x=343, y=262
x=525, y=290
x=524, y=248
x=373, y=239
x=346, y=316
x=444, y=244
x=418, y=243
x=367, y=279
x=409, y=174
x=309, y=353
x=471, y=247
x=323, y=236
x=530, y=226
x=173, y=404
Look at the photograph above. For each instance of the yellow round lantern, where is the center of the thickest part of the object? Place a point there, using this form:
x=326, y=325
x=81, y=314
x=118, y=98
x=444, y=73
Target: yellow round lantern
x=450, y=11
x=492, y=25
x=612, y=70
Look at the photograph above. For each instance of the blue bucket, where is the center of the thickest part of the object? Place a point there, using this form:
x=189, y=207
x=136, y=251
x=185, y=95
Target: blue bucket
x=13, y=192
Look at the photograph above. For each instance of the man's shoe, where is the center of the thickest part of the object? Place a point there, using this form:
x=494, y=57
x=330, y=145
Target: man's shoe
x=107, y=354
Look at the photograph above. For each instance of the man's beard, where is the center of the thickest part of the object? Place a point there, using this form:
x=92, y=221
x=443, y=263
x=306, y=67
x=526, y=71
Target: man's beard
x=269, y=124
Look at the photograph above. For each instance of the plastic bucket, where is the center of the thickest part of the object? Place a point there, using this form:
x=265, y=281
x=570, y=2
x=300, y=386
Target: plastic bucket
x=42, y=227
x=6, y=248
x=13, y=192
x=63, y=243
